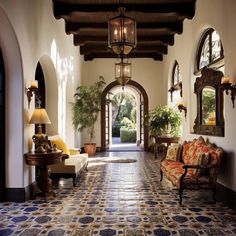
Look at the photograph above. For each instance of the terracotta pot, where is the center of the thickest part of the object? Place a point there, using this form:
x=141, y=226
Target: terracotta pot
x=90, y=148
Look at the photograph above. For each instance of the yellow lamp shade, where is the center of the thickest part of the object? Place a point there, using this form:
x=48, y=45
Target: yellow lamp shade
x=39, y=116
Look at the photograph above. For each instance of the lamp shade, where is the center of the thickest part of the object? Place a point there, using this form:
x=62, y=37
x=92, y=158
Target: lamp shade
x=123, y=71
x=39, y=116
x=122, y=34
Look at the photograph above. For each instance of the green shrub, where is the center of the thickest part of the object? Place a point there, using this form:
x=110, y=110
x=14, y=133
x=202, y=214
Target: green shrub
x=127, y=123
x=116, y=129
x=127, y=135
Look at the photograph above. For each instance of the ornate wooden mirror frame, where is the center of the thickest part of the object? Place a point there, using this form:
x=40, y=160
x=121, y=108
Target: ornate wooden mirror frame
x=209, y=78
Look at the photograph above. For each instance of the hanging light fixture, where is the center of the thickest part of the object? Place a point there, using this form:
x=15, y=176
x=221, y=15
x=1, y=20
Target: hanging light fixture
x=123, y=71
x=122, y=33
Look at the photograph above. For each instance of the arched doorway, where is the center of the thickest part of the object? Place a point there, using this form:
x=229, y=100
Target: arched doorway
x=2, y=130
x=14, y=101
x=105, y=137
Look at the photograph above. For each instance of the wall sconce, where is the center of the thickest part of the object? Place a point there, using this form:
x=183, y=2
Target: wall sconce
x=32, y=89
x=226, y=85
x=181, y=108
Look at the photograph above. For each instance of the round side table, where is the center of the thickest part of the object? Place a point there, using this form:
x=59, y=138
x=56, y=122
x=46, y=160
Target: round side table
x=42, y=160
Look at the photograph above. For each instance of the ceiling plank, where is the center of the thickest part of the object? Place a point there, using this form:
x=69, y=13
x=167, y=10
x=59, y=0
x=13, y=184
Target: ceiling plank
x=163, y=39
x=155, y=56
x=175, y=27
x=93, y=48
x=187, y=9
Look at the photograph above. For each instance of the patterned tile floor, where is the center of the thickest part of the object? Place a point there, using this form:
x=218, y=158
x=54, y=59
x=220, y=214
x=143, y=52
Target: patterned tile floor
x=118, y=199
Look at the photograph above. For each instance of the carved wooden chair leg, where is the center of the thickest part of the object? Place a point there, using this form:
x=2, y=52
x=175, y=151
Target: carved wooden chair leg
x=180, y=195
x=161, y=173
x=74, y=177
x=214, y=194
x=86, y=167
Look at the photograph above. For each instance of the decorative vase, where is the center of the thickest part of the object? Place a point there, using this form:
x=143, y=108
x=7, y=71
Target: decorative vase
x=167, y=132
x=90, y=148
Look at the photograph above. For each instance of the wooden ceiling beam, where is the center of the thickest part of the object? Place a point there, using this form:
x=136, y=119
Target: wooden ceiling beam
x=163, y=39
x=187, y=9
x=174, y=27
x=157, y=23
x=95, y=48
x=155, y=56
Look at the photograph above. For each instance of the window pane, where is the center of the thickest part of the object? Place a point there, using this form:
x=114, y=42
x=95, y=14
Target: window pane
x=205, y=54
x=177, y=77
x=216, y=46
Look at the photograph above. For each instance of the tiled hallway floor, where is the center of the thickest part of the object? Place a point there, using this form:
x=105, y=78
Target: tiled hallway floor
x=119, y=199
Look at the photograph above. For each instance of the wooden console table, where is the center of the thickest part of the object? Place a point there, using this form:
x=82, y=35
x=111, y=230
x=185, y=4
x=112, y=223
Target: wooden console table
x=162, y=139
x=42, y=160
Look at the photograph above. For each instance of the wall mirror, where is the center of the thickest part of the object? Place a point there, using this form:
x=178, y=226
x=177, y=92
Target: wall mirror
x=210, y=119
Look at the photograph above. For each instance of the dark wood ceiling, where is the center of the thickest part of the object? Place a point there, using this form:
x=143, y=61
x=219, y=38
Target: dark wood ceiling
x=157, y=23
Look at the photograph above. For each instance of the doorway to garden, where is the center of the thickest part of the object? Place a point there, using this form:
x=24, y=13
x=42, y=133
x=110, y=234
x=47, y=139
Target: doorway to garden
x=123, y=118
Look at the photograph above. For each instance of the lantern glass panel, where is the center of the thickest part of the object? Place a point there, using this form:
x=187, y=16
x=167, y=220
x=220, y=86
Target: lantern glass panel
x=122, y=34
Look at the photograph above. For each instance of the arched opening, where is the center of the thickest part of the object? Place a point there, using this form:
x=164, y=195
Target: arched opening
x=14, y=102
x=46, y=73
x=142, y=109
x=2, y=130
x=124, y=117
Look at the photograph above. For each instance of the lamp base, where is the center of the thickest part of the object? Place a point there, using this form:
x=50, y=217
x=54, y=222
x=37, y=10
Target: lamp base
x=40, y=149
x=39, y=140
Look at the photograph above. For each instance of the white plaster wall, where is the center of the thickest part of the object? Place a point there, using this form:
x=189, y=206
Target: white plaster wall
x=14, y=102
x=218, y=14
x=146, y=72
x=38, y=34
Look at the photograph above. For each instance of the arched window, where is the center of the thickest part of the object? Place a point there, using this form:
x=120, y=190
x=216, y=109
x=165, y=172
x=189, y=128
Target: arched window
x=210, y=51
x=176, y=83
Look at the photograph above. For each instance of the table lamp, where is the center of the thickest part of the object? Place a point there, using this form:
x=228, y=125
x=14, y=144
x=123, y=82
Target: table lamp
x=39, y=117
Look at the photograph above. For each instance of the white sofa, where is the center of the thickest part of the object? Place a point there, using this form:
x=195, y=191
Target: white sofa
x=73, y=162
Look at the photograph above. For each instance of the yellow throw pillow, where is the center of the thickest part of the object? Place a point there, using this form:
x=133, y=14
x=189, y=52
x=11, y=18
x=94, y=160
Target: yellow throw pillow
x=173, y=152
x=60, y=144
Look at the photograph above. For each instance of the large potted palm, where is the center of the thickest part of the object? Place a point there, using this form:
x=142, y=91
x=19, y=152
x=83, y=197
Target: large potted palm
x=85, y=111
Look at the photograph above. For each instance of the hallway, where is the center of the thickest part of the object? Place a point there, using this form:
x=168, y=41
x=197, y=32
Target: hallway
x=118, y=199
x=118, y=146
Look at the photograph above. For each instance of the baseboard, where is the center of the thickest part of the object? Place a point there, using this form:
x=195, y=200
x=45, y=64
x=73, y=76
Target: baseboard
x=226, y=195
x=21, y=194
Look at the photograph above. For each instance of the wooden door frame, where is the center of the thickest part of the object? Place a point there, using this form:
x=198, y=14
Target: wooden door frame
x=138, y=87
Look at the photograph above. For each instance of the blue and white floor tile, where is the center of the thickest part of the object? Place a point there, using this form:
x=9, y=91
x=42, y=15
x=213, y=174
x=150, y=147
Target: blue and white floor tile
x=118, y=199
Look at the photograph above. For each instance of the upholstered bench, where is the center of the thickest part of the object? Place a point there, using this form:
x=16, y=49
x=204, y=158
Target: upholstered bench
x=193, y=165
x=72, y=165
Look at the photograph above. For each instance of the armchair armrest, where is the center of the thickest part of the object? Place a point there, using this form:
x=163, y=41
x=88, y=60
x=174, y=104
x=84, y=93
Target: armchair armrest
x=186, y=167
x=203, y=167
x=64, y=156
x=74, y=151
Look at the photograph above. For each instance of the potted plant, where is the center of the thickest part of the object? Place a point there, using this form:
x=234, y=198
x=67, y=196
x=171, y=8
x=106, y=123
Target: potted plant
x=85, y=111
x=164, y=121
